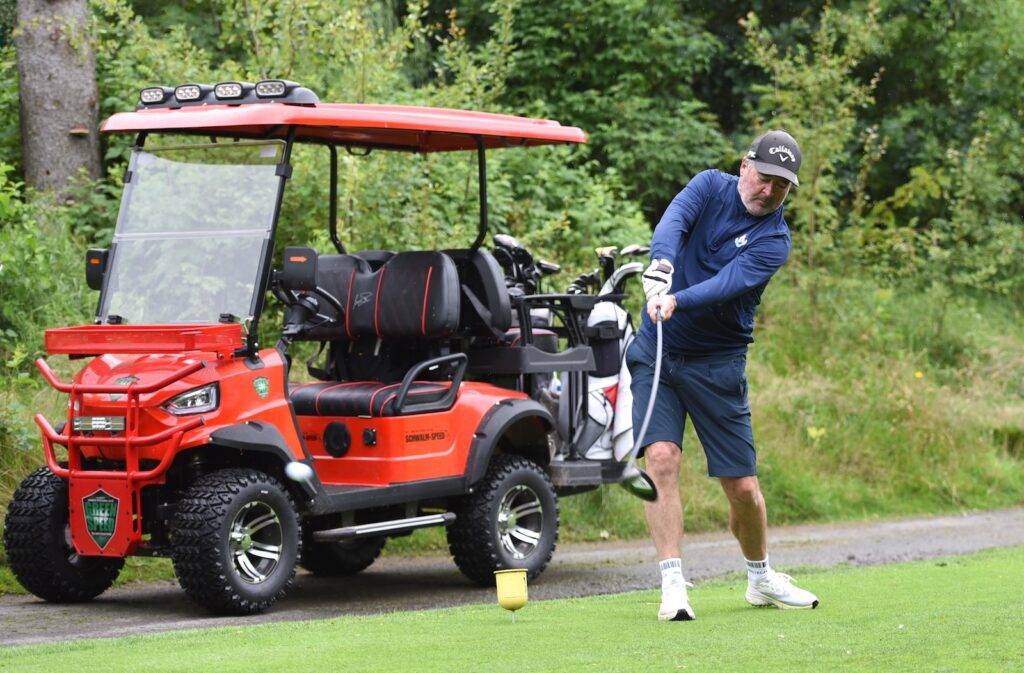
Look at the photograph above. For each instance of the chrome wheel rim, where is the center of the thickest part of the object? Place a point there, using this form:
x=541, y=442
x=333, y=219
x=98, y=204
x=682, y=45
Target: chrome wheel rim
x=254, y=541
x=520, y=521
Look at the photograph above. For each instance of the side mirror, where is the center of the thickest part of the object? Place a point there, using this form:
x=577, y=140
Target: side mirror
x=95, y=267
x=299, y=269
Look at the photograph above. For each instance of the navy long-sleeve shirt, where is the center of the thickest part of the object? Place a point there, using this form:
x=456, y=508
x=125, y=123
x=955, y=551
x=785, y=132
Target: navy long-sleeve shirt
x=723, y=258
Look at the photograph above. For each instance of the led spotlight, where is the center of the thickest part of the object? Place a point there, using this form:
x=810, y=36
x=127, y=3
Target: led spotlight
x=271, y=88
x=228, y=90
x=153, y=94
x=187, y=93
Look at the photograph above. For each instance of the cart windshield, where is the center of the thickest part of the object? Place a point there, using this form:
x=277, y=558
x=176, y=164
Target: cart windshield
x=194, y=226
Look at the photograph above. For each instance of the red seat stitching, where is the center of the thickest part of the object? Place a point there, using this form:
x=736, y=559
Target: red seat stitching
x=410, y=394
x=316, y=400
x=376, y=304
x=426, y=293
x=378, y=391
x=348, y=303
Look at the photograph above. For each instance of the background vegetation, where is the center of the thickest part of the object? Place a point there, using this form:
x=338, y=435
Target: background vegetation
x=888, y=376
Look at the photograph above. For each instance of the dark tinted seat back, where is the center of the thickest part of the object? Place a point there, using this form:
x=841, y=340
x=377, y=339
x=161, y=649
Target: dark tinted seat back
x=483, y=277
x=414, y=295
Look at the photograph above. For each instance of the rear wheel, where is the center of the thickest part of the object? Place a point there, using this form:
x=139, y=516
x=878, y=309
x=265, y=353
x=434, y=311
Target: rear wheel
x=509, y=521
x=349, y=557
x=235, y=541
x=38, y=542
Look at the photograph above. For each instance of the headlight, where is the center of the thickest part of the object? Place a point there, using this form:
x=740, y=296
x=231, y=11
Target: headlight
x=194, y=401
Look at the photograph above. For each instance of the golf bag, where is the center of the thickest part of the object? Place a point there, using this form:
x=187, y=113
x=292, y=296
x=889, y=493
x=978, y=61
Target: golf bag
x=606, y=432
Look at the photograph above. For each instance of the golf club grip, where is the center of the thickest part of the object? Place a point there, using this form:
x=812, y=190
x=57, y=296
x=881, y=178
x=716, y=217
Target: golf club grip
x=651, y=400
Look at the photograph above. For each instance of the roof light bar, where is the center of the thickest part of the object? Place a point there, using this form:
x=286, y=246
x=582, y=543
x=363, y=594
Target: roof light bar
x=227, y=93
x=271, y=88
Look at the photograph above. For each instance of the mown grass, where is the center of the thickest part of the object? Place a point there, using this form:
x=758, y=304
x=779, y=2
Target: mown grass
x=868, y=401
x=959, y=614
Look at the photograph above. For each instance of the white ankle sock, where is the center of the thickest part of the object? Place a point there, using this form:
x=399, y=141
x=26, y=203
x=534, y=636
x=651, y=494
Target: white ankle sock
x=671, y=570
x=757, y=570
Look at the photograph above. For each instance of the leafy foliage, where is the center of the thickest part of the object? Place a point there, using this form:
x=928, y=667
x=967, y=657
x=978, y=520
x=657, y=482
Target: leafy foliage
x=40, y=275
x=813, y=93
x=623, y=70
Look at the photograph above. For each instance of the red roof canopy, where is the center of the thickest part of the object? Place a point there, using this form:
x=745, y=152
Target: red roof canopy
x=421, y=129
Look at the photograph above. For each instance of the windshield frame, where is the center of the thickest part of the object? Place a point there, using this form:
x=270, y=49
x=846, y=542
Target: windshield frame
x=264, y=269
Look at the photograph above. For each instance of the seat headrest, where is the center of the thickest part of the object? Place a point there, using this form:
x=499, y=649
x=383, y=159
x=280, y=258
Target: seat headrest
x=375, y=258
x=414, y=295
x=481, y=274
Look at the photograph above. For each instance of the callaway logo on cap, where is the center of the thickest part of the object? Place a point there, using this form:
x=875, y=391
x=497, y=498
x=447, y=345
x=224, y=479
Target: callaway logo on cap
x=776, y=153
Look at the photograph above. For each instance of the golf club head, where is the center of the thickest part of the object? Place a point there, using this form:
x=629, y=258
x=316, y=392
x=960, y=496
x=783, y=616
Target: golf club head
x=634, y=249
x=506, y=241
x=548, y=268
x=639, y=483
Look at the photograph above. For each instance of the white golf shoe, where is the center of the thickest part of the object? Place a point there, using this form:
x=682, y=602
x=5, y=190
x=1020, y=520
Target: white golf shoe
x=778, y=589
x=675, y=603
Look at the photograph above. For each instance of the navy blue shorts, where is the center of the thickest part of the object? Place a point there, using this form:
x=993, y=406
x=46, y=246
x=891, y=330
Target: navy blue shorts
x=712, y=391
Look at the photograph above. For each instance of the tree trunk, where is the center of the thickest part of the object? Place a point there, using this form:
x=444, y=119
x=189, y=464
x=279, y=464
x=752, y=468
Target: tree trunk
x=58, y=95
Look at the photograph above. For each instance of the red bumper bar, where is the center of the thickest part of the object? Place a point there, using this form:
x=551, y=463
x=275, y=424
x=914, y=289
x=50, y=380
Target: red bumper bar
x=52, y=379
x=50, y=437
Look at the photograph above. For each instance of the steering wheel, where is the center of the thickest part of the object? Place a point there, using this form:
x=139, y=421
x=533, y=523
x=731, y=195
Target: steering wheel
x=291, y=298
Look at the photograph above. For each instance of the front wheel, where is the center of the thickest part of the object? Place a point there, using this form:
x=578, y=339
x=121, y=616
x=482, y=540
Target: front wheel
x=509, y=521
x=38, y=542
x=235, y=541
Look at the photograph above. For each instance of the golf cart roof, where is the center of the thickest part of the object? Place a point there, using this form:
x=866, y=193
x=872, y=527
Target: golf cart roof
x=399, y=127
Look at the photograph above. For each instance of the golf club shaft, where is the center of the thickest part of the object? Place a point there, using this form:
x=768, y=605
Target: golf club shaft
x=654, y=395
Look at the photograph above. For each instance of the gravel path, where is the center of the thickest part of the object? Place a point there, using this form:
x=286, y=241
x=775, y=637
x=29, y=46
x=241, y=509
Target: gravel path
x=577, y=570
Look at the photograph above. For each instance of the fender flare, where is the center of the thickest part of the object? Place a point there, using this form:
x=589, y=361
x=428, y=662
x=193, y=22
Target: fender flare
x=493, y=426
x=264, y=438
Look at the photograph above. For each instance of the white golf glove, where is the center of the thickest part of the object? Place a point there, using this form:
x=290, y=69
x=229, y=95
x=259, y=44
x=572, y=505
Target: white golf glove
x=658, y=278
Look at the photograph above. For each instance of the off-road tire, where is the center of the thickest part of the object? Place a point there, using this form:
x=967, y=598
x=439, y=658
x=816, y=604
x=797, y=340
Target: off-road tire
x=334, y=559
x=201, y=547
x=38, y=551
x=474, y=538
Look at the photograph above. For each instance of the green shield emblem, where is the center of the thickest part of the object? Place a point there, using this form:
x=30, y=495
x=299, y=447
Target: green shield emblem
x=262, y=386
x=100, y=516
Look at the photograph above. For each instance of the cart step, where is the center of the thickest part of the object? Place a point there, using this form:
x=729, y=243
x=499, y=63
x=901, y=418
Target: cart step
x=384, y=527
x=569, y=473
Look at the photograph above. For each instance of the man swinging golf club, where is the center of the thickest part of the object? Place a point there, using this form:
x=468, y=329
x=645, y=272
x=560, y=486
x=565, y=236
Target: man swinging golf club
x=713, y=252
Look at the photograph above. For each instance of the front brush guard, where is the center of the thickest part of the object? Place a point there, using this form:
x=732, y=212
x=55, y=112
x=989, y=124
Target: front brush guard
x=122, y=486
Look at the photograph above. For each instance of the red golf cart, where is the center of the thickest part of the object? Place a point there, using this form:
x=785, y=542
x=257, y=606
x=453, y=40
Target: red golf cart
x=183, y=435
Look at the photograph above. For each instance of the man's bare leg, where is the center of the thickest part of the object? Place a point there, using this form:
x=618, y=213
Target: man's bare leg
x=749, y=523
x=665, y=515
x=665, y=519
x=748, y=519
